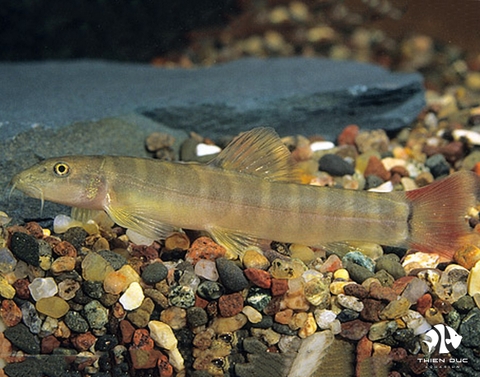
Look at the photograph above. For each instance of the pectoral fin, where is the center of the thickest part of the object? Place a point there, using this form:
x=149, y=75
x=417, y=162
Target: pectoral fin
x=235, y=242
x=133, y=218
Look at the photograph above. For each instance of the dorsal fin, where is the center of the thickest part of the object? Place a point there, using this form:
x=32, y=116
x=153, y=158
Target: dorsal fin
x=259, y=152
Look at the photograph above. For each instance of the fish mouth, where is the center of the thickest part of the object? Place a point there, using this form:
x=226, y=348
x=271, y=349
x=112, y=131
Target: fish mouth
x=28, y=189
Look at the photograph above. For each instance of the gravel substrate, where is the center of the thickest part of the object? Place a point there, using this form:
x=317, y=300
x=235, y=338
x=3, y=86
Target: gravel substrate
x=90, y=299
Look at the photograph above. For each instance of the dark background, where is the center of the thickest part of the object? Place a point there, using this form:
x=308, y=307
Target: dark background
x=141, y=30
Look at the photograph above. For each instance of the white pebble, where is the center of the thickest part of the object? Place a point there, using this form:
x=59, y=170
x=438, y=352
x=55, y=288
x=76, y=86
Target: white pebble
x=324, y=318
x=253, y=315
x=62, y=223
x=133, y=297
x=138, y=239
x=43, y=288
x=415, y=321
x=207, y=149
x=384, y=187
x=350, y=302
x=206, y=269
x=321, y=146
x=391, y=162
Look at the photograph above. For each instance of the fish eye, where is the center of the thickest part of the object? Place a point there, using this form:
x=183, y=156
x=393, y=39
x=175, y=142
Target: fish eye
x=61, y=169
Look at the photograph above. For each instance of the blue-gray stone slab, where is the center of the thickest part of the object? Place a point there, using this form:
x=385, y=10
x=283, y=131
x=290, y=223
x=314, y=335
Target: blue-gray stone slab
x=95, y=107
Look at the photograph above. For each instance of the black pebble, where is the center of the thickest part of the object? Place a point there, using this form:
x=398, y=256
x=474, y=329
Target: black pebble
x=231, y=275
x=76, y=236
x=116, y=260
x=93, y=289
x=106, y=343
x=335, y=165
x=21, y=337
x=210, y=290
x=25, y=247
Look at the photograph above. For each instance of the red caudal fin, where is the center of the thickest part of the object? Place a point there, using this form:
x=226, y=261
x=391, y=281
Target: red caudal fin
x=438, y=220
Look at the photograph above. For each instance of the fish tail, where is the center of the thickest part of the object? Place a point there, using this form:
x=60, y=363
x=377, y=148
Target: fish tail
x=438, y=217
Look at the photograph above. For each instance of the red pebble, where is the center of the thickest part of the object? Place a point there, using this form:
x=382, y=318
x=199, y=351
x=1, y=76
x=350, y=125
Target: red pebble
x=348, y=135
x=65, y=249
x=332, y=264
x=127, y=330
x=400, y=284
x=230, y=305
x=21, y=288
x=164, y=367
x=279, y=287
x=260, y=278
x=364, y=349
x=382, y=293
x=371, y=310
x=355, y=330
x=142, y=340
x=49, y=343
x=34, y=229
x=148, y=253
x=356, y=290
x=200, y=302
x=424, y=303
x=10, y=313
x=204, y=248
x=375, y=167
x=83, y=342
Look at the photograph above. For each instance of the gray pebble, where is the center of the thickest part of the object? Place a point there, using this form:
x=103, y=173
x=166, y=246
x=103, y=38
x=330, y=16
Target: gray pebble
x=116, y=260
x=96, y=314
x=390, y=263
x=154, y=273
x=470, y=328
x=231, y=275
x=438, y=165
x=196, y=316
x=76, y=322
x=358, y=273
x=30, y=317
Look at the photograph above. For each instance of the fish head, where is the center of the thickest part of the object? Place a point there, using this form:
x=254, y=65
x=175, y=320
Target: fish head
x=76, y=181
x=454, y=337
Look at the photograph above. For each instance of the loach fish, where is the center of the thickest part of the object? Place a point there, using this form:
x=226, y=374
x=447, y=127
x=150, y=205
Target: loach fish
x=251, y=192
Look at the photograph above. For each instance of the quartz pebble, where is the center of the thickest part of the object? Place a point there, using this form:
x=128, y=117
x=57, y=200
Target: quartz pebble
x=118, y=281
x=42, y=288
x=206, y=269
x=95, y=267
x=164, y=338
x=133, y=297
x=7, y=261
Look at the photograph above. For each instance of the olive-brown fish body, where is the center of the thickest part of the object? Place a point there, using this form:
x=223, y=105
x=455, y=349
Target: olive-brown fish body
x=250, y=192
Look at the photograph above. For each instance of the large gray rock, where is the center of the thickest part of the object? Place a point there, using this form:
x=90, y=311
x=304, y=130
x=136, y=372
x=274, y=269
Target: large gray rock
x=93, y=107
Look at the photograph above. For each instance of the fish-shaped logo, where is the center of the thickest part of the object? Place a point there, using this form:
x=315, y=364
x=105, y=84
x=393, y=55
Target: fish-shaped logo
x=445, y=336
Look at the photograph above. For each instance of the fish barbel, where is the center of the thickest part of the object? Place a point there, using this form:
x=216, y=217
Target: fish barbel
x=251, y=192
